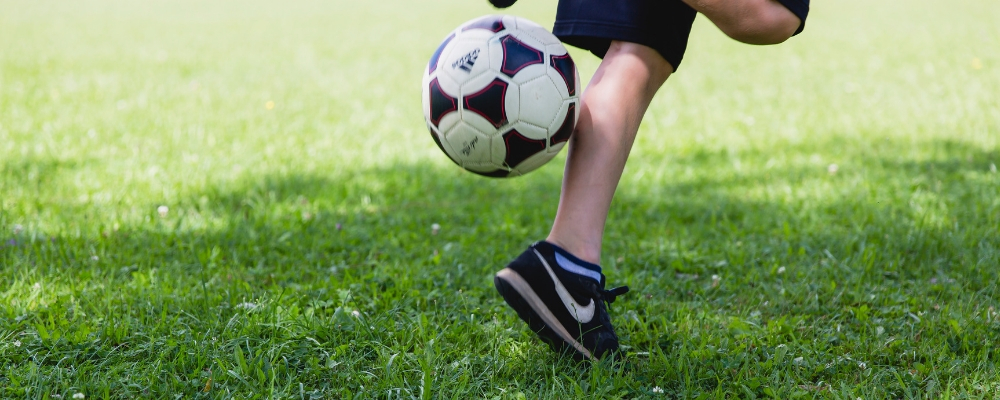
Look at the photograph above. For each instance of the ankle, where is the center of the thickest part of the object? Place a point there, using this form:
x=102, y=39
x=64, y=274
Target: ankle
x=591, y=254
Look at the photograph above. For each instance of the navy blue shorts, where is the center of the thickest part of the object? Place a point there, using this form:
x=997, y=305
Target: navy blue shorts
x=663, y=25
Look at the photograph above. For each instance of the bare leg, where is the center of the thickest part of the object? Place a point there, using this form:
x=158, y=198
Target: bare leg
x=611, y=109
x=750, y=21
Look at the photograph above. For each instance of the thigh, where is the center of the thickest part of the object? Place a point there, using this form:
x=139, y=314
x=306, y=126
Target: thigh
x=663, y=25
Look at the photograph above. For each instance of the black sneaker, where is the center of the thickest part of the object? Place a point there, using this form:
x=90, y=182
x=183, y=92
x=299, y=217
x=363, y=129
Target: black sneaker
x=562, y=299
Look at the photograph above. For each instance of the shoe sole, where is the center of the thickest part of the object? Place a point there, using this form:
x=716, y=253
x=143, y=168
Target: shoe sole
x=507, y=280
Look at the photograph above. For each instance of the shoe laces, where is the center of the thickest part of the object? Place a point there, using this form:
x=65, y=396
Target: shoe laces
x=610, y=295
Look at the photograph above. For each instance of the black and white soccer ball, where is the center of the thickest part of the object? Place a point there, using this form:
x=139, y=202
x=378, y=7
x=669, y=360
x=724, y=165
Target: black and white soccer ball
x=501, y=96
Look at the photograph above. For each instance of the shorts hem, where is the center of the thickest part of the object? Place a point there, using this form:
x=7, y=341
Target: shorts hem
x=800, y=9
x=596, y=37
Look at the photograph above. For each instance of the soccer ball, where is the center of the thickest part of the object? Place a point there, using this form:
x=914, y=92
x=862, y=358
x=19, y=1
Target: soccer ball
x=500, y=96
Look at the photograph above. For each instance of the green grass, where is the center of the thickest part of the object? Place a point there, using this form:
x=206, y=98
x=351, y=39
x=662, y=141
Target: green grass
x=815, y=219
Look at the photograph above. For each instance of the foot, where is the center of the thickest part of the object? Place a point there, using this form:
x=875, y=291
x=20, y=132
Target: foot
x=502, y=3
x=562, y=299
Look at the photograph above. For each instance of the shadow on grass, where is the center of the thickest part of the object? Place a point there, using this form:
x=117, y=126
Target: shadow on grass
x=33, y=172
x=415, y=245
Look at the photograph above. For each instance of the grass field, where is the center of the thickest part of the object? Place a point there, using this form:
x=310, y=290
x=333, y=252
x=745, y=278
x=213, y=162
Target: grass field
x=236, y=199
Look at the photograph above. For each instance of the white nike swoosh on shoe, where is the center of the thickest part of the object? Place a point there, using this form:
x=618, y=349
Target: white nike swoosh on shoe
x=580, y=313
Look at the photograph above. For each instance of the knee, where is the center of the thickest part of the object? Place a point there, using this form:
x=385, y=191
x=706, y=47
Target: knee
x=638, y=62
x=762, y=22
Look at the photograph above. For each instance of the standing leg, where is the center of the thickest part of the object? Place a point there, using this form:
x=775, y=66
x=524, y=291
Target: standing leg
x=556, y=286
x=612, y=107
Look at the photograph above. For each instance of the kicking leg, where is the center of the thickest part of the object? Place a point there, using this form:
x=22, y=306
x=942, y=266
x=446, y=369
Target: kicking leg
x=750, y=21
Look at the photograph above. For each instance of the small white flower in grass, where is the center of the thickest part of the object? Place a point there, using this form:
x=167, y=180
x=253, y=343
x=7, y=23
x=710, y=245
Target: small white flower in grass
x=356, y=314
x=37, y=286
x=781, y=270
x=657, y=390
x=79, y=396
x=94, y=258
x=862, y=365
x=162, y=210
x=716, y=280
x=17, y=343
x=832, y=169
x=246, y=305
x=435, y=228
x=879, y=331
x=18, y=228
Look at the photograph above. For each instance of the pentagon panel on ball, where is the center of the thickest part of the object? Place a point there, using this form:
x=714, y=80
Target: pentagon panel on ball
x=500, y=96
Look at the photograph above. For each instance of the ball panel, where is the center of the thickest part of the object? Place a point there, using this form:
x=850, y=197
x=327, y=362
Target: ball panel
x=565, y=128
x=499, y=149
x=530, y=131
x=524, y=23
x=496, y=53
x=492, y=23
x=437, y=140
x=532, y=163
x=527, y=39
x=448, y=84
x=440, y=102
x=469, y=145
x=433, y=64
x=517, y=55
x=535, y=31
x=556, y=148
x=478, y=89
x=563, y=66
x=449, y=120
x=490, y=102
x=556, y=49
x=540, y=101
x=465, y=59
x=512, y=102
x=519, y=147
x=510, y=22
x=530, y=73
